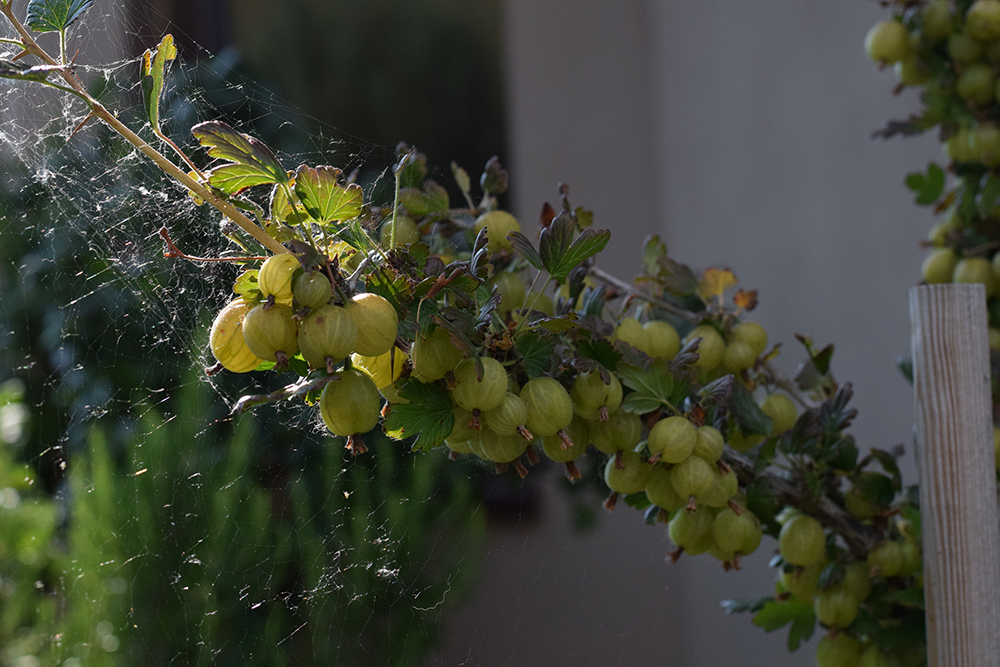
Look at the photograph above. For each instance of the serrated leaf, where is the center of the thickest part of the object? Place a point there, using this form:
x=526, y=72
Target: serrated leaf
x=55, y=15
x=750, y=418
x=489, y=307
x=676, y=278
x=802, y=629
x=246, y=286
x=523, y=245
x=776, y=615
x=324, y=198
x=14, y=69
x=560, y=254
x=429, y=415
x=745, y=299
x=234, y=178
x=536, y=351
x=154, y=67
x=653, y=389
x=553, y=324
x=639, y=501
x=225, y=143
x=989, y=195
x=714, y=282
x=928, y=187
x=600, y=350
x=392, y=286
x=718, y=391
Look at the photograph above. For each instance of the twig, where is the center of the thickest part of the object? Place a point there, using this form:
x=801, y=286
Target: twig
x=860, y=538
x=671, y=308
x=781, y=380
x=98, y=110
x=294, y=390
x=174, y=252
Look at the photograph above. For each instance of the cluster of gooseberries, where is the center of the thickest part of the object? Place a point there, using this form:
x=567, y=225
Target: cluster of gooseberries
x=296, y=313
x=951, y=52
x=437, y=334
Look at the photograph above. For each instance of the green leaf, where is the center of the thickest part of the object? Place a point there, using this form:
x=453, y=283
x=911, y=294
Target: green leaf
x=411, y=166
x=560, y=254
x=429, y=415
x=751, y=605
x=233, y=178
x=600, y=350
x=750, y=418
x=523, y=245
x=15, y=69
x=553, y=324
x=831, y=575
x=928, y=187
x=802, y=629
x=877, y=488
x=843, y=454
x=989, y=195
x=323, y=196
x=461, y=178
x=639, y=501
x=392, y=286
x=536, y=352
x=432, y=198
x=252, y=162
x=246, y=286
x=154, y=67
x=776, y=615
x=905, y=366
x=584, y=218
x=55, y=15
x=652, y=388
x=908, y=597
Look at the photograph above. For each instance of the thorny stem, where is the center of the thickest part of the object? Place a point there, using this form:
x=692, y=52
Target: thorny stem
x=395, y=204
x=779, y=378
x=98, y=110
x=614, y=281
x=859, y=538
x=174, y=252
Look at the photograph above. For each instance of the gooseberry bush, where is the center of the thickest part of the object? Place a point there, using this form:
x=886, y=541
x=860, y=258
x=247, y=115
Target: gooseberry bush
x=452, y=327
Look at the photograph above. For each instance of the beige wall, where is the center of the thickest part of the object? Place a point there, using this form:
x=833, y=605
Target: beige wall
x=738, y=130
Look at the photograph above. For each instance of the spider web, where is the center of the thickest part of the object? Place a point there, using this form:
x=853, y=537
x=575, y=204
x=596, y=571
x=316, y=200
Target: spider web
x=171, y=530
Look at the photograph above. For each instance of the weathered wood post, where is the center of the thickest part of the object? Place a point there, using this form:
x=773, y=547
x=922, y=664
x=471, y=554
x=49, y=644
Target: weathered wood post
x=958, y=489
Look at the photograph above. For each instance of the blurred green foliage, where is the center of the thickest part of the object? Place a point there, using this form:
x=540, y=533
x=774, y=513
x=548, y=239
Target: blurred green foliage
x=139, y=523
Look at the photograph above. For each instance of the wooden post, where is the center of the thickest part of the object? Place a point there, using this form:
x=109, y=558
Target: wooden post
x=958, y=488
